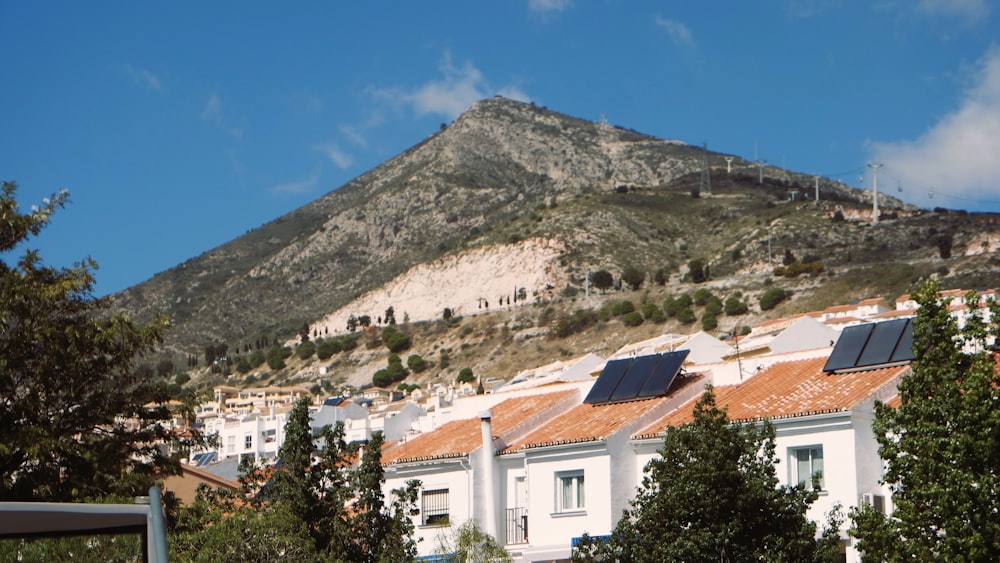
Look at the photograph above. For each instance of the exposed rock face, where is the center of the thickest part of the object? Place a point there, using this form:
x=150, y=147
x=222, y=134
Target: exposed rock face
x=504, y=172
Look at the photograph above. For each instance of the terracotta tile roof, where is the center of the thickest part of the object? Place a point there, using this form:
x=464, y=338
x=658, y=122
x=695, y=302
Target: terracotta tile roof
x=786, y=390
x=591, y=423
x=459, y=438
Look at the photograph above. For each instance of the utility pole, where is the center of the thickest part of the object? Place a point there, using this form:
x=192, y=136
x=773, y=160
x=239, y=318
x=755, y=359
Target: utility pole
x=729, y=165
x=706, y=174
x=816, y=178
x=875, y=165
x=760, y=171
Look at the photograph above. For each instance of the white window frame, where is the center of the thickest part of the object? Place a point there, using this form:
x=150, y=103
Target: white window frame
x=570, y=491
x=809, y=460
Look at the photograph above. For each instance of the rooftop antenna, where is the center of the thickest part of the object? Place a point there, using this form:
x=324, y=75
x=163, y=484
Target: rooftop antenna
x=875, y=165
x=706, y=177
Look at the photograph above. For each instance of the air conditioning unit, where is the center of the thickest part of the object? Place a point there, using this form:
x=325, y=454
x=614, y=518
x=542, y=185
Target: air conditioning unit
x=878, y=501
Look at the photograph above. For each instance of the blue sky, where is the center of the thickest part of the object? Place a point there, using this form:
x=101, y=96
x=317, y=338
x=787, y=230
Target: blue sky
x=177, y=126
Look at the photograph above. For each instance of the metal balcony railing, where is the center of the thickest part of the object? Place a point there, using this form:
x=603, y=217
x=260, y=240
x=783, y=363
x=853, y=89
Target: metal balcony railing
x=517, y=525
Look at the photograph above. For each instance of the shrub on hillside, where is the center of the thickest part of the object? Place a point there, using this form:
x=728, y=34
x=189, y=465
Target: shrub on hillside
x=394, y=340
x=685, y=315
x=416, y=363
x=632, y=319
x=772, y=297
x=327, y=347
x=572, y=324
x=465, y=376
x=734, y=306
x=649, y=309
x=305, y=350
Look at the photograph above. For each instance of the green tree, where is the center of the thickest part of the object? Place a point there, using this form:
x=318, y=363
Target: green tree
x=734, y=306
x=632, y=319
x=702, y=296
x=470, y=543
x=772, y=297
x=72, y=405
x=395, y=340
x=276, y=357
x=602, y=280
x=416, y=363
x=327, y=347
x=709, y=320
x=305, y=350
x=712, y=495
x=942, y=444
x=633, y=277
x=465, y=376
x=697, y=271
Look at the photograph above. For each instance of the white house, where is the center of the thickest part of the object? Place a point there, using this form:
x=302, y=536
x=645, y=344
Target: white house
x=575, y=474
x=459, y=478
x=822, y=422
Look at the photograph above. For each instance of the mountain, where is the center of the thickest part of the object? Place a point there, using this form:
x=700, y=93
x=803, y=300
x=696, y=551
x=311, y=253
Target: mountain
x=512, y=195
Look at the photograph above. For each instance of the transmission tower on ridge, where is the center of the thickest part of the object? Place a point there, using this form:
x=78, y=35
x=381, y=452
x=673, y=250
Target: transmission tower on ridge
x=706, y=177
x=875, y=165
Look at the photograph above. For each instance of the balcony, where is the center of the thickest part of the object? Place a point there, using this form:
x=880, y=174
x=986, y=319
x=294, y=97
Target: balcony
x=517, y=525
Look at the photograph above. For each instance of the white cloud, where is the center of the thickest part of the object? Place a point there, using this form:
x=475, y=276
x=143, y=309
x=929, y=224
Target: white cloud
x=546, y=6
x=337, y=156
x=212, y=112
x=957, y=156
x=302, y=186
x=679, y=33
x=144, y=78
x=969, y=10
x=354, y=135
x=459, y=88
x=802, y=9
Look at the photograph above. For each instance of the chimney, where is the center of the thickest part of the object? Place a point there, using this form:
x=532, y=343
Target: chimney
x=489, y=475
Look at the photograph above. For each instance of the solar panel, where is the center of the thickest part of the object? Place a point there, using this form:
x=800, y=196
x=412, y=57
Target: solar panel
x=606, y=383
x=849, y=346
x=881, y=343
x=663, y=374
x=635, y=378
x=904, y=350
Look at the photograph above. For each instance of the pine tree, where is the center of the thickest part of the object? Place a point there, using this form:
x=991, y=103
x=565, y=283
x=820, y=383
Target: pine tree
x=942, y=444
x=73, y=420
x=712, y=495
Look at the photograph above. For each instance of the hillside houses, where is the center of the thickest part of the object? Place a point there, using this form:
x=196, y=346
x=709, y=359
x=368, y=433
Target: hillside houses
x=537, y=463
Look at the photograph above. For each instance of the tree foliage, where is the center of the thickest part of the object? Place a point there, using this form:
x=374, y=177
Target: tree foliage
x=316, y=506
x=712, y=495
x=633, y=277
x=942, y=444
x=470, y=543
x=73, y=420
x=772, y=297
x=602, y=279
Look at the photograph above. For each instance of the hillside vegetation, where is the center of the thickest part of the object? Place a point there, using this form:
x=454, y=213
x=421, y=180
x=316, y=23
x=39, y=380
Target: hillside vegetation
x=513, y=201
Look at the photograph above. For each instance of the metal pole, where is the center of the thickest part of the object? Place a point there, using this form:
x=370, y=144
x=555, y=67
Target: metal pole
x=874, y=165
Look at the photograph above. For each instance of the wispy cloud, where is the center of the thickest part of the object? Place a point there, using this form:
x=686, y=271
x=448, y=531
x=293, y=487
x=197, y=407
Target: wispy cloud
x=212, y=113
x=449, y=96
x=548, y=6
x=143, y=78
x=957, y=156
x=803, y=9
x=679, y=33
x=337, y=156
x=354, y=135
x=299, y=187
x=970, y=11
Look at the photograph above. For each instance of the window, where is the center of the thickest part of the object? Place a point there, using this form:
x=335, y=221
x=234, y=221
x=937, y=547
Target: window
x=248, y=441
x=230, y=444
x=807, y=461
x=434, y=508
x=569, y=491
